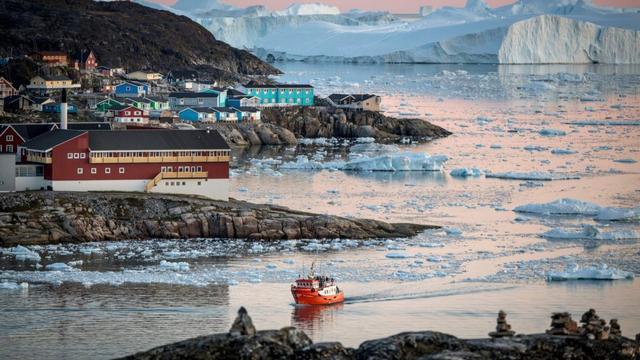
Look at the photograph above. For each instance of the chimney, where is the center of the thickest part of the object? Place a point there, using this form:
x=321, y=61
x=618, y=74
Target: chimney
x=63, y=109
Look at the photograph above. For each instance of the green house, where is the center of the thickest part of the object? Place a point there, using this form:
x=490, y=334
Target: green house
x=107, y=104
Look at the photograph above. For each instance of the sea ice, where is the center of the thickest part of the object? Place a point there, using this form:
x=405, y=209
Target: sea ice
x=626, y=161
x=8, y=285
x=603, y=272
x=532, y=175
x=466, y=172
x=563, y=151
x=22, y=253
x=552, y=132
x=397, y=256
x=618, y=214
x=174, y=266
x=59, y=267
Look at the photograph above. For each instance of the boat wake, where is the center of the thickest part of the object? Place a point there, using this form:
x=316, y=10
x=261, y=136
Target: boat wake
x=421, y=295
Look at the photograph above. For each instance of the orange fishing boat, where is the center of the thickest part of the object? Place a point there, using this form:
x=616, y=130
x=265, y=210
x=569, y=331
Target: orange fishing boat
x=316, y=290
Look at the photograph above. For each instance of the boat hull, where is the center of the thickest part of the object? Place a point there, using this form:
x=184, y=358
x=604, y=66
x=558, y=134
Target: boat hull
x=313, y=298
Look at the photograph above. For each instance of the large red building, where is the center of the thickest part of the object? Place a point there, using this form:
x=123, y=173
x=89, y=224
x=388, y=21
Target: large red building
x=167, y=161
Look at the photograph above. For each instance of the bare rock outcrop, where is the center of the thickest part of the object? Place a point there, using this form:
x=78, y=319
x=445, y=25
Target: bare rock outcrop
x=54, y=217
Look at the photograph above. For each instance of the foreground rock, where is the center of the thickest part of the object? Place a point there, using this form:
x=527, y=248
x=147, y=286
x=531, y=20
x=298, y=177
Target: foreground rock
x=283, y=126
x=54, y=217
x=244, y=342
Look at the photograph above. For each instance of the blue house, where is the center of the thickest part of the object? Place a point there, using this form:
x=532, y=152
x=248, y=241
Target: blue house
x=247, y=113
x=281, y=94
x=131, y=89
x=204, y=114
x=54, y=108
x=222, y=94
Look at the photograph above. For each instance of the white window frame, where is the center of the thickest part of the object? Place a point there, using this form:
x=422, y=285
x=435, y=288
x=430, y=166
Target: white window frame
x=76, y=156
x=94, y=170
x=9, y=137
x=107, y=170
x=9, y=147
x=83, y=155
x=70, y=156
x=79, y=171
x=121, y=170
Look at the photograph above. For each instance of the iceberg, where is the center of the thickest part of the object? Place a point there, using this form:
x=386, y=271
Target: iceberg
x=397, y=256
x=583, y=208
x=8, y=285
x=603, y=272
x=552, y=132
x=563, y=151
x=406, y=161
x=561, y=207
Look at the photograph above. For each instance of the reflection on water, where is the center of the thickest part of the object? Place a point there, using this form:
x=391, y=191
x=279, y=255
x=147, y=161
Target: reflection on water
x=312, y=318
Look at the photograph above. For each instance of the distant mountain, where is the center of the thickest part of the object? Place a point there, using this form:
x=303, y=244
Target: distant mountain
x=122, y=34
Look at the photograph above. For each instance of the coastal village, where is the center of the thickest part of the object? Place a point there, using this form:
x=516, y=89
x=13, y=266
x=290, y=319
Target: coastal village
x=132, y=130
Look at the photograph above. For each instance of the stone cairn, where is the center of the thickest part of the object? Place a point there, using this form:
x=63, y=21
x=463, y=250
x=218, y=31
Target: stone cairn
x=593, y=327
x=243, y=324
x=562, y=324
x=503, y=329
x=614, y=328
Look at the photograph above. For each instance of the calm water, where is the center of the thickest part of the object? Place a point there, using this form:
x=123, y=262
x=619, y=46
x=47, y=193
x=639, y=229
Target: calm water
x=120, y=301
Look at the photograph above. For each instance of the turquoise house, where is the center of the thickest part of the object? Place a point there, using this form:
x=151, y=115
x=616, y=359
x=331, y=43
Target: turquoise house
x=281, y=94
x=222, y=94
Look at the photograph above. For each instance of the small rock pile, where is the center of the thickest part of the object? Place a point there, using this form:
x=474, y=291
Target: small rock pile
x=503, y=329
x=614, y=328
x=562, y=324
x=593, y=327
x=243, y=325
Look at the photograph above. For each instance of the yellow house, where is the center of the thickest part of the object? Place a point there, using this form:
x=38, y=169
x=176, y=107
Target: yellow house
x=51, y=82
x=144, y=76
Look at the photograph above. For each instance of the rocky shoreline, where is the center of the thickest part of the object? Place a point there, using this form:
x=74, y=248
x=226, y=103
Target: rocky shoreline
x=244, y=342
x=283, y=126
x=36, y=218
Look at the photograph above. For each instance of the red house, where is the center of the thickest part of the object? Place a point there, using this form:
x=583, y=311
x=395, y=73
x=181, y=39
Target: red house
x=131, y=114
x=14, y=135
x=85, y=60
x=194, y=162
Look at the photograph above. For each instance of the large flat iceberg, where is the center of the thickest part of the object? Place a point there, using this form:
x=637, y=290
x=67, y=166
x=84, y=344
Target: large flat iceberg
x=532, y=175
x=403, y=161
x=583, y=208
x=602, y=272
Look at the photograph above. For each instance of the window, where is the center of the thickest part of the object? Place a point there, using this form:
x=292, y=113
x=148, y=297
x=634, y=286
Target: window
x=83, y=155
x=199, y=183
x=180, y=169
x=173, y=183
x=107, y=170
x=199, y=168
x=127, y=112
x=79, y=171
x=121, y=170
x=9, y=137
x=184, y=183
x=76, y=155
x=94, y=170
x=163, y=169
x=9, y=148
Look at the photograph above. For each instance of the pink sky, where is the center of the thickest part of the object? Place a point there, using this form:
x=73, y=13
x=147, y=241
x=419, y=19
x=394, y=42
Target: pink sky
x=397, y=6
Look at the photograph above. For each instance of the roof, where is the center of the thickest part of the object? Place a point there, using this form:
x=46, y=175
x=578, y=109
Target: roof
x=51, y=139
x=55, y=78
x=207, y=110
x=82, y=55
x=247, y=109
x=356, y=97
x=89, y=126
x=223, y=109
x=192, y=95
x=156, y=140
x=134, y=83
x=13, y=98
x=51, y=53
x=234, y=92
x=39, y=100
x=277, y=86
x=139, y=99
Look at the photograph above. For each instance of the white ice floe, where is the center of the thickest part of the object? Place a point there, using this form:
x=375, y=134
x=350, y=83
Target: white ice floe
x=466, y=172
x=59, y=267
x=8, y=285
x=583, y=208
x=452, y=231
x=590, y=232
x=431, y=245
x=22, y=253
x=174, y=266
x=532, y=175
x=603, y=272
x=407, y=161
